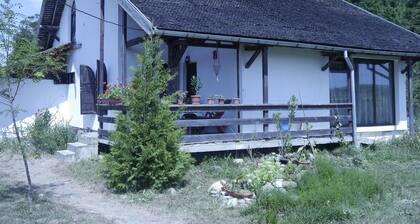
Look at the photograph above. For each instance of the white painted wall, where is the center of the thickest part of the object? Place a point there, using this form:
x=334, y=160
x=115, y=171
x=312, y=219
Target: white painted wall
x=291, y=72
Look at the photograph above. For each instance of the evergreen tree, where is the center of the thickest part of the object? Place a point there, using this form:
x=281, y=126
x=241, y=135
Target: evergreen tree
x=146, y=142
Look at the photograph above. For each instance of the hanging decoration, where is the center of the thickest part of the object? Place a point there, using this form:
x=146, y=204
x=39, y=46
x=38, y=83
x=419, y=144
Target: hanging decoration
x=216, y=62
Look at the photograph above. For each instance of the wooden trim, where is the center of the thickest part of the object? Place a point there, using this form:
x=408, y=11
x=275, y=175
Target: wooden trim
x=134, y=41
x=253, y=57
x=259, y=135
x=265, y=82
x=253, y=121
x=236, y=107
x=101, y=47
x=410, y=98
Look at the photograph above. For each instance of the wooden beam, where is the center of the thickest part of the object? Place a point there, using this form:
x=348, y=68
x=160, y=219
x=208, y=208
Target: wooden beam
x=134, y=41
x=265, y=83
x=253, y=57
x=326, y=66
x=101, y=47
x=411, y=98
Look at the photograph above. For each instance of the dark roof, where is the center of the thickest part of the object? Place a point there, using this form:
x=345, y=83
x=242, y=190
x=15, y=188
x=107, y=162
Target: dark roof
x=325, y=22
x=51, y=13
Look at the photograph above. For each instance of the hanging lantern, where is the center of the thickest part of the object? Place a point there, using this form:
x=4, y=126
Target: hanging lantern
x=216, y=63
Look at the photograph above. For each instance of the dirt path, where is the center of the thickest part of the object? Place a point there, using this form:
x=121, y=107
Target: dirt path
x=57, y=188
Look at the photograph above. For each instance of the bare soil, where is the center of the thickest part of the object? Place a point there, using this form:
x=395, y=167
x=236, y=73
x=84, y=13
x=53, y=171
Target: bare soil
x=50, y=183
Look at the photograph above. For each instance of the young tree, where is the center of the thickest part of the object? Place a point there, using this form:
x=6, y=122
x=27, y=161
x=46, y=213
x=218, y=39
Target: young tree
x=20, y=61
x=146, y=145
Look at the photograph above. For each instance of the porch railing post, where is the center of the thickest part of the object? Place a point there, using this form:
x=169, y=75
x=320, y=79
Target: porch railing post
x=353, y=97
x=265, y=83
x=410, y=97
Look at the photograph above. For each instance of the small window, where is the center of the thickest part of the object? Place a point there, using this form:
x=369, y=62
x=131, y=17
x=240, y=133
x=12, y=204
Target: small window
x=339, y=86
x=73, y=23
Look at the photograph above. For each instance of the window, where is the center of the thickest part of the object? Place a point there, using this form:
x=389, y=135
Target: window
x=73, y=23
x=375, y=93
x=339, y=86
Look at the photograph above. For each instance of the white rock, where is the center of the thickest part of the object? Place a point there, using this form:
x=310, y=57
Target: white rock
x=278, y=183
x=267, y=187
x=238, y=161
x=289, y=184
x=232, y=203
x=172, y=191
x=216, y=188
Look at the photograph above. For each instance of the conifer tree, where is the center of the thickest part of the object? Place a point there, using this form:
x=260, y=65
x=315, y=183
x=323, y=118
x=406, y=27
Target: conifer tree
x=146, y=141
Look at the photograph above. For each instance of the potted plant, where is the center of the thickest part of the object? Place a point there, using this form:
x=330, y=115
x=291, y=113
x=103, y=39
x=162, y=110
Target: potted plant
x=236, y=100
x=210, y=100
x=196, y=86
x=113, y=95
x=221, y=100
x=180, y=97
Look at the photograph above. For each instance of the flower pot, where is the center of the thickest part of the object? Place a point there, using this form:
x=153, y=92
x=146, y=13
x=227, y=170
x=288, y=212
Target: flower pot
x=221, y=100
x=195, y=99
x=110, y=101
x=210, y=101
x=236, y=100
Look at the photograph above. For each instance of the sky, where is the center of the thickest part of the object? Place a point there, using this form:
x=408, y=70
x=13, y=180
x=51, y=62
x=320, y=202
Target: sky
x=29, y=7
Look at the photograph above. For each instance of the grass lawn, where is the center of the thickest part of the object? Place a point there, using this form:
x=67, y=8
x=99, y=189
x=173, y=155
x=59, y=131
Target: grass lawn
x=14, y=209
x=380, y=184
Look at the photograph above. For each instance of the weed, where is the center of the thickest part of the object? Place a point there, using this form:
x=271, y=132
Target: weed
x=325, y=194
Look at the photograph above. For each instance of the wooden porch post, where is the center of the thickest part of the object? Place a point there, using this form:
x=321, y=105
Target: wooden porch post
x=265, y=82
x=410, y=97
x=175, y=53
x=353, y=108
x=101, y=48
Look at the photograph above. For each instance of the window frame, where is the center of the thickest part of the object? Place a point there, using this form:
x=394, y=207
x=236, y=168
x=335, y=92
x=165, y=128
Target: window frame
x=334, y=70
x=392, y=74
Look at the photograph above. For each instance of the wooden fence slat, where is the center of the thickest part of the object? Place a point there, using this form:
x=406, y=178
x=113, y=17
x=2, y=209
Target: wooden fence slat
x=253, y=121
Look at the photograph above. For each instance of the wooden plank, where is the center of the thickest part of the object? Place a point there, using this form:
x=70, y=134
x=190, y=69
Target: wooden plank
x=101, y=48
x=251, y=121
x=256, y=107
x=265, y=83
x=410, y=97
x=107, y=119
x=237, y=107
x=252, y=59
x=134, y=42
x=259, y=135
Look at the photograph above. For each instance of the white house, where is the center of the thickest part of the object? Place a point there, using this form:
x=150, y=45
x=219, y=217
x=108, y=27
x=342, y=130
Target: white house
x=331, y=54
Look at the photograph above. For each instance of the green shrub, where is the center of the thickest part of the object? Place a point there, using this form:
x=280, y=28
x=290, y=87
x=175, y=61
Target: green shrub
x=146, y=142
x=48, y=135
x=326, y=194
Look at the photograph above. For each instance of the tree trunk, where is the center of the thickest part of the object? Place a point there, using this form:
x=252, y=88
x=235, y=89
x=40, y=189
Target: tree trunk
x=22, y=151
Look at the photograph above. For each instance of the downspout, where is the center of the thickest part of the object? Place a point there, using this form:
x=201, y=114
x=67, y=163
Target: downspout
x=353, y=96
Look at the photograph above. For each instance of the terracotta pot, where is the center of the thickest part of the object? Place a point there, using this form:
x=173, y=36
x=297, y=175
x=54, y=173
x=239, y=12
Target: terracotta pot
x=221, y=100
x=110, y=101
x=195, y=99
x=236, y=100
x=210, y=101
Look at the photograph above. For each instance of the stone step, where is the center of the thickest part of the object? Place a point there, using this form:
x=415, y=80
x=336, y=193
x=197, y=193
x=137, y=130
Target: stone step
x=66, y=155
x=90, y=138
x=83, y=151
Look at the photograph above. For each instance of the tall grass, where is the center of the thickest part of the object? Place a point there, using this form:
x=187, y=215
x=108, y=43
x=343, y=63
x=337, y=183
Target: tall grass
x=326, y=194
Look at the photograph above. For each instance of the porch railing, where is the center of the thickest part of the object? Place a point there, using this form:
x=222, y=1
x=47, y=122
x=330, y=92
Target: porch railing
x=238, y=123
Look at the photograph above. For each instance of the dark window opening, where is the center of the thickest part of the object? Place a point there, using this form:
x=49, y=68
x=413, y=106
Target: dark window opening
x=375, y=97
x=73, y=23
x=191, y=72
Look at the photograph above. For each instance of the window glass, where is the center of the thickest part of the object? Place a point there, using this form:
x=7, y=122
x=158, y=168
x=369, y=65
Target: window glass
x=374, y=93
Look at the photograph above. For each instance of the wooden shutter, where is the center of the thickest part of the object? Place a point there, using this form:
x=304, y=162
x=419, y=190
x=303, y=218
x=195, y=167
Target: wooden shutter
x=105, y=78
x=87, y=90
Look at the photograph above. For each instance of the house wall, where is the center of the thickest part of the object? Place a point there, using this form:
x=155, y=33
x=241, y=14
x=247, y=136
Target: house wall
x=290, y=72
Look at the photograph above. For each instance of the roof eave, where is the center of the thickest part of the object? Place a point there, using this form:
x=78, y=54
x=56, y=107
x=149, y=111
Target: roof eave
x=236, y=39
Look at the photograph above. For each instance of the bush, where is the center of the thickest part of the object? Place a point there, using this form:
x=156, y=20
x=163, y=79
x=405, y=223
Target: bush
x=406, y=148
x=49, y=136
x=146, y=142
x=326, y=194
